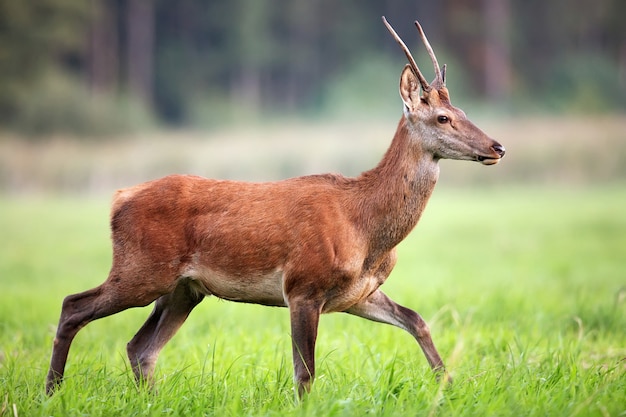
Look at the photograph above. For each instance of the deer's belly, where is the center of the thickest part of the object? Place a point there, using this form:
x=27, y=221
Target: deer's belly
x=257, y=288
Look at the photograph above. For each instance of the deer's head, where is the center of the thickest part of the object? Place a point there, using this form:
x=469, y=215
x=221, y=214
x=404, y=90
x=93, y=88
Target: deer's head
x=444, y=130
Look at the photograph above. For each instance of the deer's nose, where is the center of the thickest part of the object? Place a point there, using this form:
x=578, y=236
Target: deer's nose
x=499, y=149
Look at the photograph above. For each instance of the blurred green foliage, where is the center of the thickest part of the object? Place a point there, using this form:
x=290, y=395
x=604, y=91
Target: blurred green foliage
x=586, y=81
x=110, y=66
x=62, y=104
x=38, y=41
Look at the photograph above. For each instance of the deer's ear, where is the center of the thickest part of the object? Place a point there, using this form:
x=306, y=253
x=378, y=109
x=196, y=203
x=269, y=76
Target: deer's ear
x=409, y=89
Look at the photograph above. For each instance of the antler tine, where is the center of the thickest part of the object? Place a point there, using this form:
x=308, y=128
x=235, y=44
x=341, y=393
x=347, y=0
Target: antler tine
x=439, y=80
x=443, y=74
x=414, y=67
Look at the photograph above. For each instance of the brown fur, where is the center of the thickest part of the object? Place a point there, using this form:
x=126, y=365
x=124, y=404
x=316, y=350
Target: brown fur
x=314, y=244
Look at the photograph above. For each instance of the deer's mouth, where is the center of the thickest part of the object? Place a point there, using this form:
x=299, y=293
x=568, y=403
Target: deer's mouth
x=488, y=160
x=494, y=158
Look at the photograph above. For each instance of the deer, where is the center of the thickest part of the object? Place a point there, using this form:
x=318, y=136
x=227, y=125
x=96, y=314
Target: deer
x=313, y=244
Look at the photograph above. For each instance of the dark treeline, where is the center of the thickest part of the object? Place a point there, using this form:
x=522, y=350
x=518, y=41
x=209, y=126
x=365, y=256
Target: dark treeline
x=103, y=65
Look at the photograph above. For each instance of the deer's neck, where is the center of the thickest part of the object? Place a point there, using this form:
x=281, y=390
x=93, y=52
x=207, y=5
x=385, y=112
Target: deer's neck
x=394, y=193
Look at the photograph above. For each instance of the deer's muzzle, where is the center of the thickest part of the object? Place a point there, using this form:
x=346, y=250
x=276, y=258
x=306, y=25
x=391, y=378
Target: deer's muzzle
x=498, y=152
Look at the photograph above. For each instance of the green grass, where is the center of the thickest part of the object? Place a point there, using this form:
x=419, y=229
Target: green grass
x=524, y=289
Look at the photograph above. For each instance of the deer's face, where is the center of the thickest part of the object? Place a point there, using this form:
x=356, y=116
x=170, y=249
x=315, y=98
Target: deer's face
x=449, y=134
x=442, y=129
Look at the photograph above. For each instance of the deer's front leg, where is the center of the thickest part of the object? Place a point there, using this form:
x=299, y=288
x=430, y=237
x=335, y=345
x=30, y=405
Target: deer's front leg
x=304, y=321
x=378, y=307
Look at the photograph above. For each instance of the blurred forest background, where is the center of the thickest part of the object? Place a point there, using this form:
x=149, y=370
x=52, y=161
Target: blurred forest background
x=100, y=70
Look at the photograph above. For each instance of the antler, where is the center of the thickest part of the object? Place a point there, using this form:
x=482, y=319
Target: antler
x=416, y=70
x=439, y=74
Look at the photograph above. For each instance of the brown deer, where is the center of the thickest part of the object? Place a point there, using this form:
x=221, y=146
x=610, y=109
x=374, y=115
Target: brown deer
x=314, y=244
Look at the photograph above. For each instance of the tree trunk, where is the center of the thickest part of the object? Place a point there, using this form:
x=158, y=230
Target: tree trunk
x=140, y=48
x=497, y=69
x=103, y=51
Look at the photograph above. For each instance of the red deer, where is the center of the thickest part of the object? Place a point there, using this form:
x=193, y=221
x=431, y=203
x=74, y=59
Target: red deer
x=314, y=244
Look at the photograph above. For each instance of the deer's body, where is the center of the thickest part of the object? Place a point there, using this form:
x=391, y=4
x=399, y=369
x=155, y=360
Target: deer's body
x=239, y=241
x=314, y=244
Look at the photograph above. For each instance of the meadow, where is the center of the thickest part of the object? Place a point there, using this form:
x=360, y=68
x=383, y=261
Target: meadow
x=524, y=288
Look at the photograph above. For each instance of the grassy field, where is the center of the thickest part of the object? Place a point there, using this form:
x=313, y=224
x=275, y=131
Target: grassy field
x=524, y=289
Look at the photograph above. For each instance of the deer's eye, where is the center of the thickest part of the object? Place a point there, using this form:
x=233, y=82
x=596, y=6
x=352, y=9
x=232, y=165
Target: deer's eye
x=443, y=119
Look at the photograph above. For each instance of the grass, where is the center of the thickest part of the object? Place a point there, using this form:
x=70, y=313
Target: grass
x=524, y=289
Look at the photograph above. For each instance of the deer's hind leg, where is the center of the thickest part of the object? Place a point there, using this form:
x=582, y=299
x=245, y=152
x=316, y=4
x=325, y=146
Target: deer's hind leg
x=169, y=313
x=80, y=309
